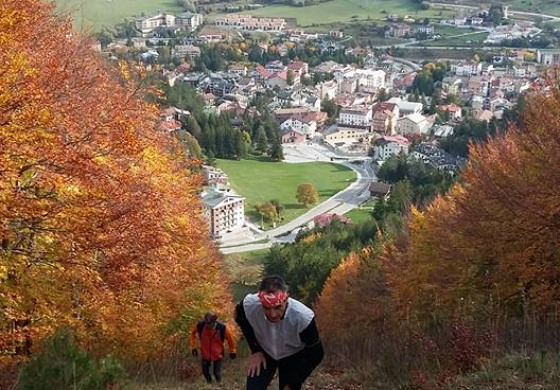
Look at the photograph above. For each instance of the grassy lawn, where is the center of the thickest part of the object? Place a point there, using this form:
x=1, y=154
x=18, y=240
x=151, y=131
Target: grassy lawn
x=359, y=215
x=337, y=11
x=93, y=14
x=260, y=181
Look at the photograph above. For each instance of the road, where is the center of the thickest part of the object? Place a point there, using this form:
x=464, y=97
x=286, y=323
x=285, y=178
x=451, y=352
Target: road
x=342, y=202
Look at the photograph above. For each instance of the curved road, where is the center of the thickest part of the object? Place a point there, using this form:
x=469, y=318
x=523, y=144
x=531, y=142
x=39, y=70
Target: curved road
x=342, y=202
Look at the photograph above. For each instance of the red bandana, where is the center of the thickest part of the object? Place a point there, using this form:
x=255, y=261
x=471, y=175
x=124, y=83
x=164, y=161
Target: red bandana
x=272, y=299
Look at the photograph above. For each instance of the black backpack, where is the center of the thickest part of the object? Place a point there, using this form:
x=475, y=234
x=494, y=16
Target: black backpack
x=219, y=327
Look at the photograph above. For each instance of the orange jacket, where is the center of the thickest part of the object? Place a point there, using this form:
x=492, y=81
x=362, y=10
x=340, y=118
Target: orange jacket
x=211, y=343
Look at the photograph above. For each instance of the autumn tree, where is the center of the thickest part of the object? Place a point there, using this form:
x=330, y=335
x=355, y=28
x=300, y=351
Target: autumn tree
x=491, y=241
x=101, y=228
x=268, y=211
x=307, y=194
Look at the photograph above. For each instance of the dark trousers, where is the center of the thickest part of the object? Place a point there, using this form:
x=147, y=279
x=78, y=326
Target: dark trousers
x=292, y=371
x=217, y=371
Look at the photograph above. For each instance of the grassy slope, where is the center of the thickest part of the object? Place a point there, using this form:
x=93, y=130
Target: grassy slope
x=263, y=181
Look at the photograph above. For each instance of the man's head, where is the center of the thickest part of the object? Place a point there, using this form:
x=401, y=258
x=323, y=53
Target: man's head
x=210, y=318
x=273, y=294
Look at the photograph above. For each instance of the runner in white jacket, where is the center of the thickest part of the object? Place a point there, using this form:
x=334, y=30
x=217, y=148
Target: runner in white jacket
x=281, y=333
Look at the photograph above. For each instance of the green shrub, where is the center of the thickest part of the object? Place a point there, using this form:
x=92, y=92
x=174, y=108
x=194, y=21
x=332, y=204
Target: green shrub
x=62, y=364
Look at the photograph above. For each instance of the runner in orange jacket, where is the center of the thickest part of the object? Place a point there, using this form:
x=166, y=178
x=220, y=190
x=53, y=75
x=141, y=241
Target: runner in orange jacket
x=211, y=335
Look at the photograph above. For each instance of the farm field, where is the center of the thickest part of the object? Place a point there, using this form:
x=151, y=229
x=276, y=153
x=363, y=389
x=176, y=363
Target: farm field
x=550, y=7
x=94, y=14
x=343, y=11
x=260, y=181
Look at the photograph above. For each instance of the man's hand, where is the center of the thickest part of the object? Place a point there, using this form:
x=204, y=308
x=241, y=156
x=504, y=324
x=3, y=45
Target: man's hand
x=194, y=352
x=256, y=360
x=232, y=355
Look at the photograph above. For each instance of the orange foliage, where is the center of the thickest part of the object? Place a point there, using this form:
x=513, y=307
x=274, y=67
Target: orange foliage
x=101, y=225
x=354, y=295
x=492, y=242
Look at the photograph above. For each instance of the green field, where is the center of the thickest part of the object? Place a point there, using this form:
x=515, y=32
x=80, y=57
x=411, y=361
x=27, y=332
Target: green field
x=94, y=14
x=338, y=11
x=260, y=181
x=473, y=40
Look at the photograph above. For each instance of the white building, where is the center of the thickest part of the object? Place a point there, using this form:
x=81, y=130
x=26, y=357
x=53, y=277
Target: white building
x=406, y=107
x=186, y=21
x=371, y=79
x=467, y=68
x=388, y=146
x=359, y=116
x=413, y=124
x=224, y=210
x=303, y=126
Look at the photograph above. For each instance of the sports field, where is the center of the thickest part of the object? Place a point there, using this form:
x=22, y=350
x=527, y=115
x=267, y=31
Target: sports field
x=260, y=181
x=93, y=14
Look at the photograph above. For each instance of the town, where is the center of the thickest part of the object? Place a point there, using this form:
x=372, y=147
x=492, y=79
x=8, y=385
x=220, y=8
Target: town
x=371, y=104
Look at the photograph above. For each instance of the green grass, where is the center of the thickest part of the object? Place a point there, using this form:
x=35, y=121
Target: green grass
x=336, y=11
x=260, y=181
x=359, y=215
x=363, y=212
x=471, y=40
x=94, y=14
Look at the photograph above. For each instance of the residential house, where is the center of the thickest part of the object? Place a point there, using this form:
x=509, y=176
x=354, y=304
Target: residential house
x=406, y=107
x=323, y=220
x=304, y=125
x=224, y=211
x=214, y=176
x=451, y=85
x=548, y=56
x=355, y=116
x=298, y=69
x=398, y=30
x=370, y=79
x=384, y=118
x=479, y=85
x=425, y=29
x=291, y=136
x=189, y=21
x=388, y=146
x=413, y=124
x=168, y=122
x=341, y=134
x=147, y=24
x=278, y=80
x=467, y=68
x=327, y=67
x=238, y=69
x=186, y=51
x=250, y=23
x=378, y=189
x=454, y=111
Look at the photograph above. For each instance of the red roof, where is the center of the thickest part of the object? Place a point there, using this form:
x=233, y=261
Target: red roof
x=326, y=219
